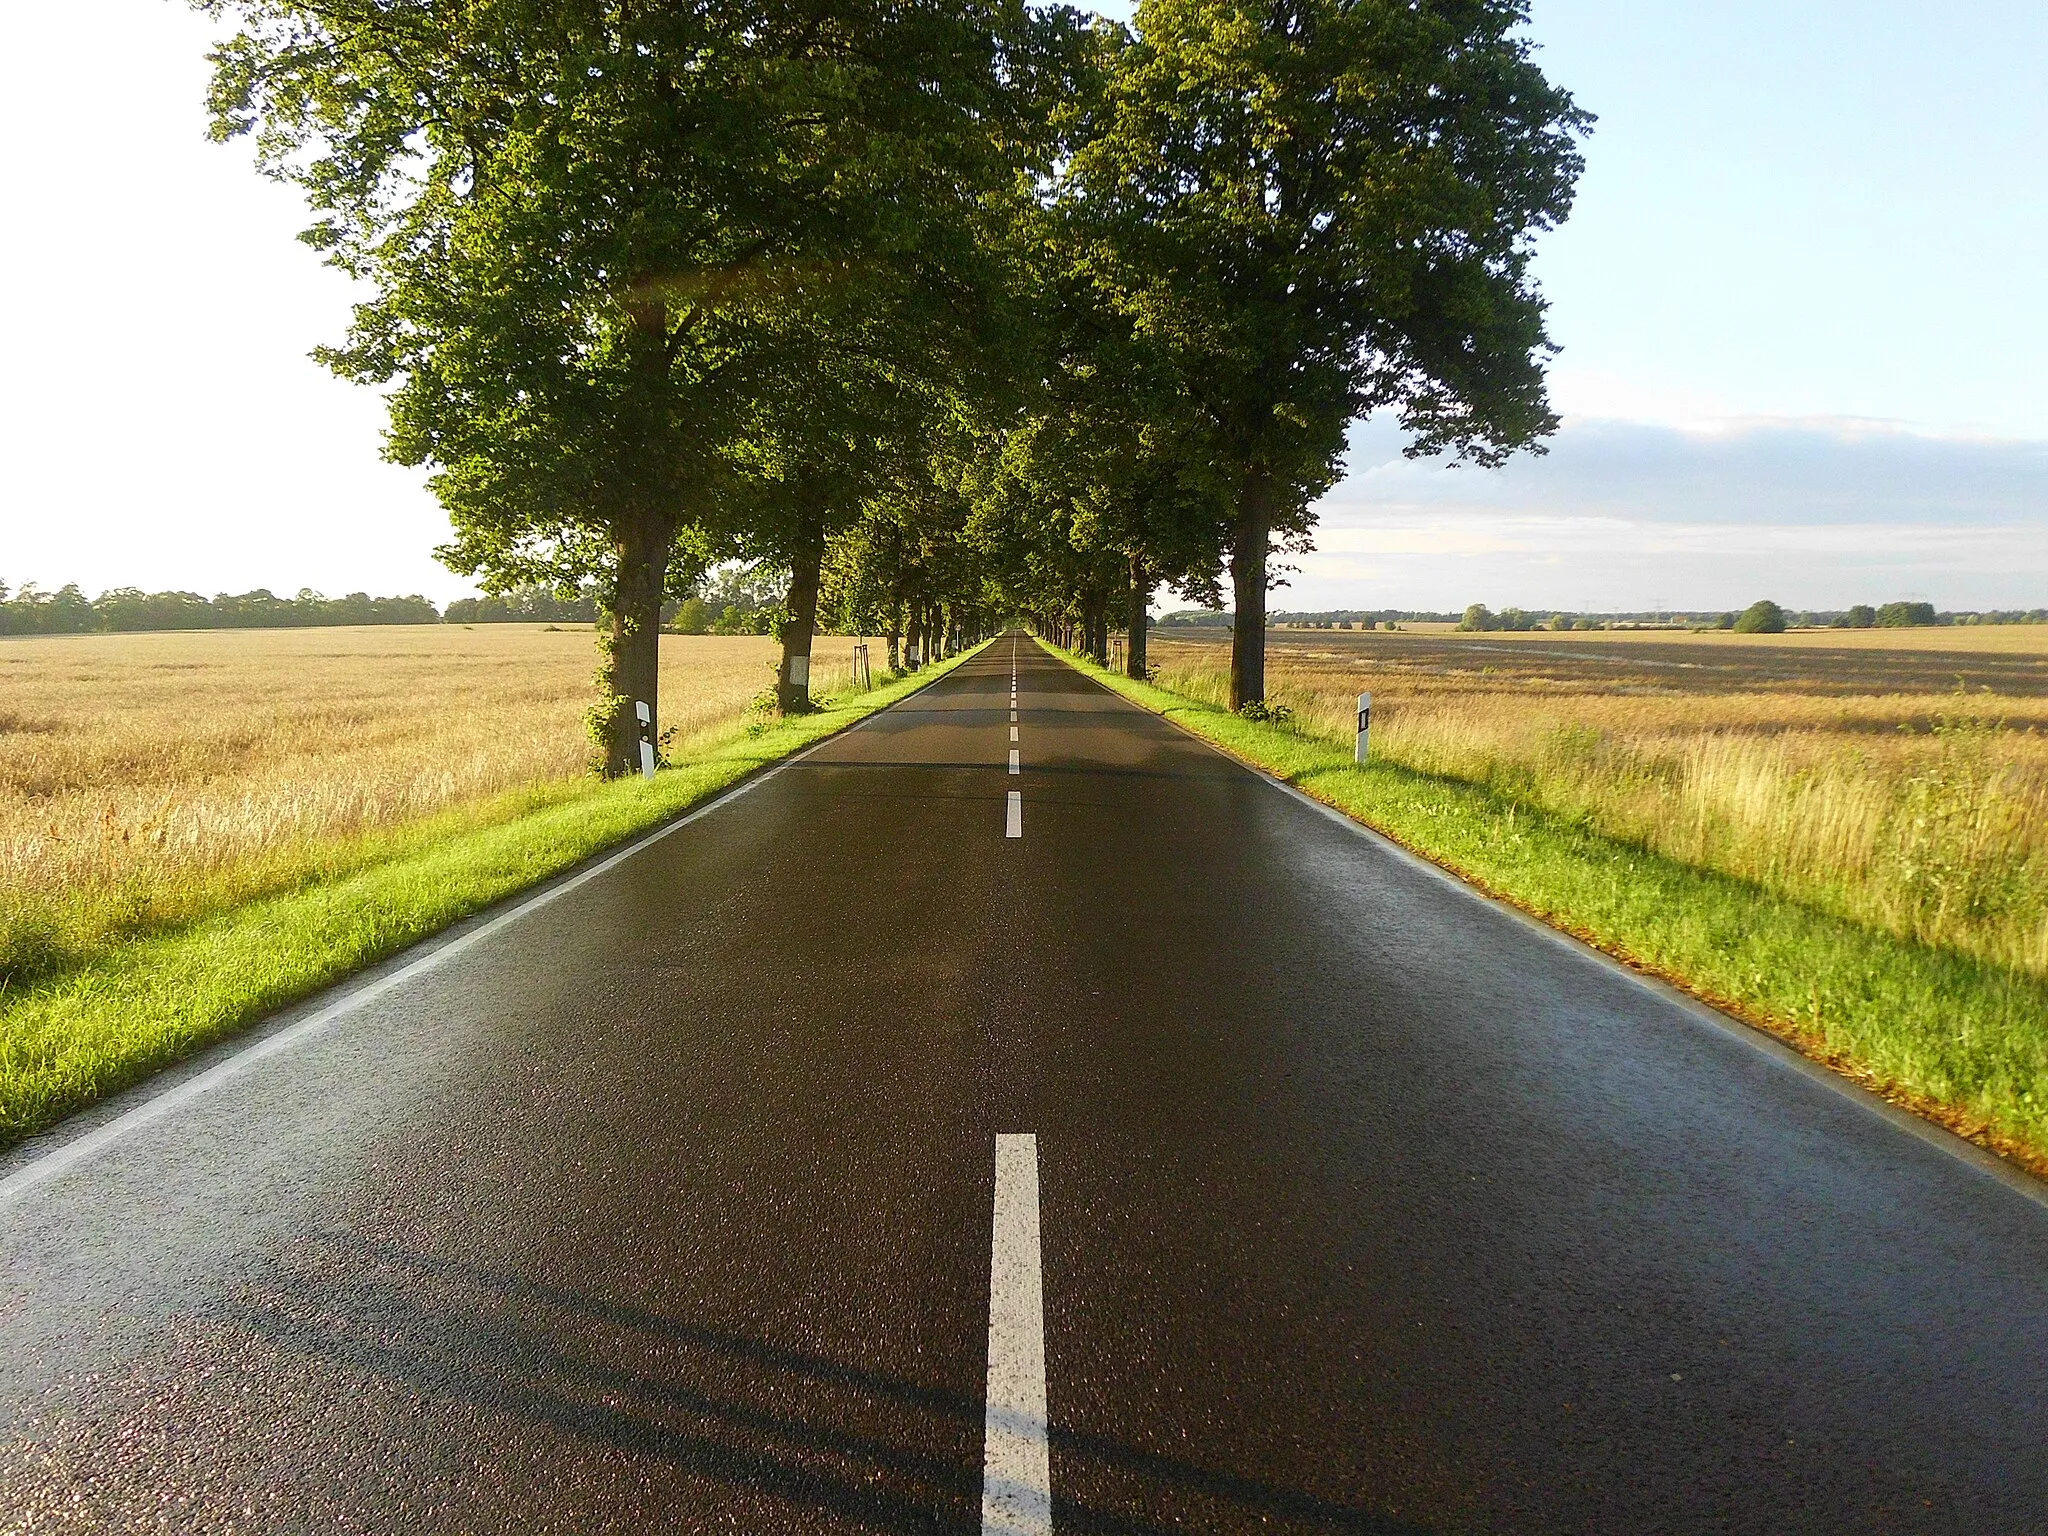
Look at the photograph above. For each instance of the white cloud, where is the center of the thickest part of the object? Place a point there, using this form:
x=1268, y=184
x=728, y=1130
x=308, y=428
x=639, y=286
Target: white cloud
x=1818, y=513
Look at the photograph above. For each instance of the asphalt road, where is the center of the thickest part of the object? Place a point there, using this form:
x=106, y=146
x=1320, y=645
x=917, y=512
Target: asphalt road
x=1360, y=1205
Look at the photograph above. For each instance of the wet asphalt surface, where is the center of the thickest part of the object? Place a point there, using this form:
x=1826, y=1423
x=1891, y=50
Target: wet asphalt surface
x=1366, y=1206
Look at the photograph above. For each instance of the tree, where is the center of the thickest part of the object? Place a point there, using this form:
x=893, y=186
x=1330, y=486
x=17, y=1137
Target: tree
x=1904, y=615
x=862, y=583
x=867, y=388
x=584, y=227
x=1324, y=208
x=1763, y=617
x=693, y=616
x=1102, y=492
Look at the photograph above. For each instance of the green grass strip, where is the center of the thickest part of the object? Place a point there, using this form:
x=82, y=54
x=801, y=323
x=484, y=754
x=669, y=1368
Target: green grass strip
x=1958, y=1039
x=150, y=1002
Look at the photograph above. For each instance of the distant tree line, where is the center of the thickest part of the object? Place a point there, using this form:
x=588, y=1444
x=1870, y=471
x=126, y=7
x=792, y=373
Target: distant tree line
x=532, y=603
x=1763, y=617
x=68, y=611
x=739, y=601
x=747, y=599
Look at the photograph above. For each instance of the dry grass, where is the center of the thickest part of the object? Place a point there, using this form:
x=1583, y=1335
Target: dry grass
x=148, y=779
x=1923, y=814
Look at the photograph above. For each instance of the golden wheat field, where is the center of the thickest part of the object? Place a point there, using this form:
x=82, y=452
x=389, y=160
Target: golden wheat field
x=148, y=777
x=1905, y=787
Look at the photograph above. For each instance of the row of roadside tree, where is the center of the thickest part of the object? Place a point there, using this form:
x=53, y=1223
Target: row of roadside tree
x=944, y=310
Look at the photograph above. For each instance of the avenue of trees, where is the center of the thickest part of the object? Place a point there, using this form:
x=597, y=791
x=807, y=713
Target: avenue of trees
x=937, y=311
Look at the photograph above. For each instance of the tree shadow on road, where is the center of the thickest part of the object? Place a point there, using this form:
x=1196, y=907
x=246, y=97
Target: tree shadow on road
x=551, y=1367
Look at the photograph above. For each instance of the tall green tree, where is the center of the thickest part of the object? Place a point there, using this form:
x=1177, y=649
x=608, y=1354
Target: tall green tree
x=1110, y=467
x=1324, y=208
x=868, y=385
x=585, y=227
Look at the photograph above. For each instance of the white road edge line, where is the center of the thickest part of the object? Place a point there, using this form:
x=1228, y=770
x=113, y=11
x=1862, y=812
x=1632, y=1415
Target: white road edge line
x=1013, y=822
x=1016, y=765
x=156, y=1107
x=1016, y=1467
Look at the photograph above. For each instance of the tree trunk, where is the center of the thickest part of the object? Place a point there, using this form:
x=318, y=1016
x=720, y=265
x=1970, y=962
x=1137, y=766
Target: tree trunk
x=641, y=541
x=914, y=654
x=1248, y=587
x=896, y=640
x=1095, y=628
x=1137, y=617
x=807, y=554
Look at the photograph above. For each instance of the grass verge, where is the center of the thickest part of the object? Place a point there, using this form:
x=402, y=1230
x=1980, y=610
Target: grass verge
x=1959, y=1040
x=145, y=1004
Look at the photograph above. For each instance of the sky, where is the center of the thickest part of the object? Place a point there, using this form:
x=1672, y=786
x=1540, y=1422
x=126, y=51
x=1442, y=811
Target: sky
x=1800, y=306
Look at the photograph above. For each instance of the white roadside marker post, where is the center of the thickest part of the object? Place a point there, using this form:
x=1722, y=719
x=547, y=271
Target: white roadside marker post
x=646, y=739
x=1364, y=723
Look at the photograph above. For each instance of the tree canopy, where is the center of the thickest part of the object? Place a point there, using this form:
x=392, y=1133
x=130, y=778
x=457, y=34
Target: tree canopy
x=944, y=309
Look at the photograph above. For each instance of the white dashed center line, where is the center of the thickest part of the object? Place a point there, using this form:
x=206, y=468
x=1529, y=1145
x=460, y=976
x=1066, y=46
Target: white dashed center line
x=1013, y=733
x=1016, y=1467
x=1013, y=821
x=1015, y=765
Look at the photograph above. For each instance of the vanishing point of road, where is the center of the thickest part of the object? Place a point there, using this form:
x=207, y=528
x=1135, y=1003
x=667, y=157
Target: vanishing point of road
x=1014, y=1116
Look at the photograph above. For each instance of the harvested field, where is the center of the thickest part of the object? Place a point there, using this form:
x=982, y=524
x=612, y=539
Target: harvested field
x=1962, y=639
x=1902, y=786
x=148, y=779
x=2010, y=660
